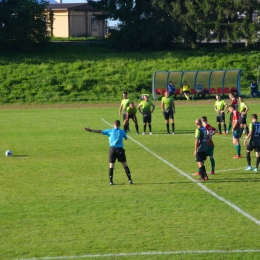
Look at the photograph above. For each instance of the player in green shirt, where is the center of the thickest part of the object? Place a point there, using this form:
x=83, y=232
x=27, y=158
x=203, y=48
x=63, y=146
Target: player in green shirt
x=131, y=113
x=243, y=109
x=220, y=107
x=146, y=108
x=168, y=110
x=123, y=106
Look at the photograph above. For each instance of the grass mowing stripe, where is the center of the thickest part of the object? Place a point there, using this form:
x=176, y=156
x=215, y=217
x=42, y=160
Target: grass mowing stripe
x=147, y=253
x=199, y=184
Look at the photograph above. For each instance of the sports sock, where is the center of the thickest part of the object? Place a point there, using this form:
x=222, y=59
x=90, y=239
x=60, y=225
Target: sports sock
x=144, y=128
x=257, y=162
x=125, y=128
x=241, y=132
x=219, y=128
x=204, y=171
x=172, y=127
x=238, y=149
x=225, y=128
x=167, y=127
x=212, y=161
x=137, y=128
x=248, y=158
x=247, y=130
x=201, y=173
x=111, y=172
x=128, y=174
x=150, y=128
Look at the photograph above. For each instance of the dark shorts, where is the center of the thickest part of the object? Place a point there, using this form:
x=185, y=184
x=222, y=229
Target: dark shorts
x=116, y=153
x=250, y=148
x=236, y=134
x=243, y=120
x=221, y=119
x=168, y=115
x=201, y=156
x=147, y=118
x=124, y=116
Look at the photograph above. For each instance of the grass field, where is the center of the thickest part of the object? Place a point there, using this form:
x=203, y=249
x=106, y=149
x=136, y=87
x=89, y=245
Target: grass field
x=56, y=201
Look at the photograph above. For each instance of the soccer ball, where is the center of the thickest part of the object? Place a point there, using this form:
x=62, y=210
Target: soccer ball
x=8, y=153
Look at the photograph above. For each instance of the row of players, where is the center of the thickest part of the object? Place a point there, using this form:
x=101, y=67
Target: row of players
x=237, y=123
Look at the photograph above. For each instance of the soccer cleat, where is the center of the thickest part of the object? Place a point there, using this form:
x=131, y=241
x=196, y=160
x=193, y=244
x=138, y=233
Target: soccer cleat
x=225, y=133
x=168, y=133
x=201, y=179
x=151, y=133
x=212, y=173
x=130, y=182
x=248, y=168
x=137, y=133
x=143, y=133
x=173, y=133
x=206, y=178
x=237, y=156
x=111, y=183
x=255, y=170
x=196, y=173
x=219, y=133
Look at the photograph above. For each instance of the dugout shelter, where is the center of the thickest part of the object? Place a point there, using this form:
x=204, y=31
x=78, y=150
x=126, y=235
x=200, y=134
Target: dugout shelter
x=213, y=81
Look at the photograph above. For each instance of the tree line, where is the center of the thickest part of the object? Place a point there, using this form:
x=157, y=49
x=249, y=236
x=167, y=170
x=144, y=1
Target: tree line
x=24, y=24
x=160, y=24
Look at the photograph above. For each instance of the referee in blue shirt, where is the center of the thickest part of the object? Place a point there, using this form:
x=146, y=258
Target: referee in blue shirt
x=116, y=151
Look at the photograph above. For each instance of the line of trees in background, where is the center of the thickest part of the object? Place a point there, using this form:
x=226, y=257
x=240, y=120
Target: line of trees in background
x=160, y=24
x=24, y=24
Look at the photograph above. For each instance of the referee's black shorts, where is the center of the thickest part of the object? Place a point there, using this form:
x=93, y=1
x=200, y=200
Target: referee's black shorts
x=116, y=153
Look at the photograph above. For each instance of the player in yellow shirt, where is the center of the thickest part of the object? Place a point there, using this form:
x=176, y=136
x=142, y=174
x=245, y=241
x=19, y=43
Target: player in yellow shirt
x=185, y=90
x=168, y=110
x=146, y=108
x=243, y=109
x=220, y=107
x=123, y=106
x=131, y=113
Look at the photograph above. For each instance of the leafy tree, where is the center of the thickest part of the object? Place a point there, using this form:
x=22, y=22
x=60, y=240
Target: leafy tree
x=25, y=23
x=142, y=23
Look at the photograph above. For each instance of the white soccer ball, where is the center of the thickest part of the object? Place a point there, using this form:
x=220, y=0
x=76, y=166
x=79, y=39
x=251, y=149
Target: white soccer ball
x=8, y=153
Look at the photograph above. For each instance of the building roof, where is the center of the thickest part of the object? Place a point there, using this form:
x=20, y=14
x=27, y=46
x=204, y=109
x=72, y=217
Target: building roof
x=75, y=7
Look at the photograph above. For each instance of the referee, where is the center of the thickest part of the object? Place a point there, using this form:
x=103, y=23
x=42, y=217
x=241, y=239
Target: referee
x=116, y=151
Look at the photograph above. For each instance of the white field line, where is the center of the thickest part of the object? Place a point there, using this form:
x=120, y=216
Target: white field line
x=169, y=252
x=147, y=254
x=239, y=210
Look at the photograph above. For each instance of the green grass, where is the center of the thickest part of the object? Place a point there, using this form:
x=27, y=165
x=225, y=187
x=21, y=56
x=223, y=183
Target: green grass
x=56, y=200
x=90, y=73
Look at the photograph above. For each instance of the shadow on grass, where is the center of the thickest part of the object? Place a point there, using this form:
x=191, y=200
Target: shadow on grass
x=20, y=156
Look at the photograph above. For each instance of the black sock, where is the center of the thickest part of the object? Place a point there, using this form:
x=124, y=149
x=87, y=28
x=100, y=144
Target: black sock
x=248, y=158
x=247, y=130
x=167, y=127
x=257, y=162
x=204, y=171
x=125, y=128
x=225, y=128
x=150, y=128
x=241, y=132
x=201, y=172
x=173, y=127
x=128, y=174
x=219, y=128
x=144, y=128
x=110, y=174
x=136, y=128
